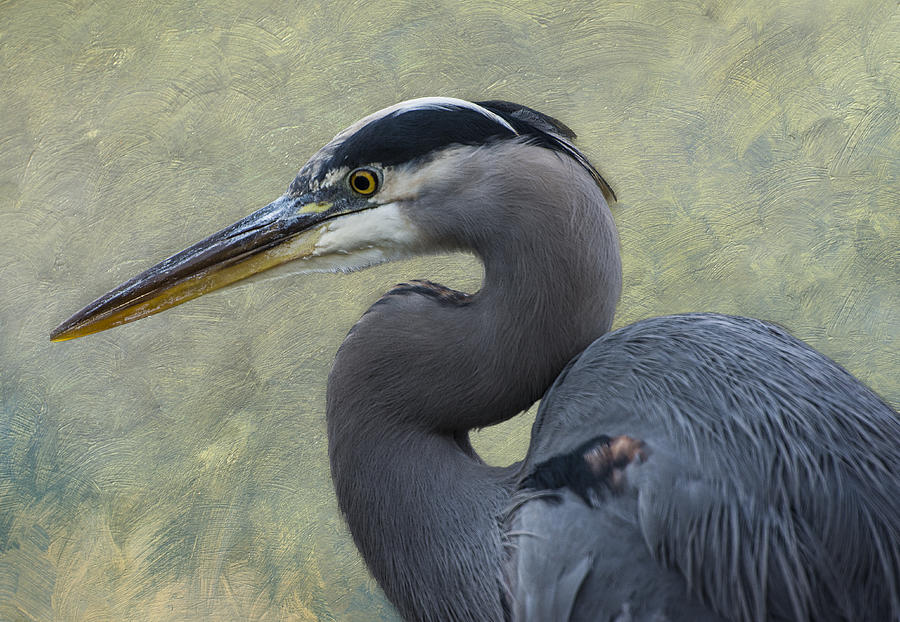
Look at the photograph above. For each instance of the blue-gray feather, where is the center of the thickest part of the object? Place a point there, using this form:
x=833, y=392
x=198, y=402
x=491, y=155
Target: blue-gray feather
x=772, y=484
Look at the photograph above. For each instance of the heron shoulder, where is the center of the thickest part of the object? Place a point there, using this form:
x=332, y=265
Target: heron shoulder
x=765, y=460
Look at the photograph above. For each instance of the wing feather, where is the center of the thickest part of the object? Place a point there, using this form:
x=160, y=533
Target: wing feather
x=772, y=485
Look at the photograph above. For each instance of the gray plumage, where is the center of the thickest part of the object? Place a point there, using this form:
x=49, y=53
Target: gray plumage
x=691, y=467
x=405, y=476
x=771, y=490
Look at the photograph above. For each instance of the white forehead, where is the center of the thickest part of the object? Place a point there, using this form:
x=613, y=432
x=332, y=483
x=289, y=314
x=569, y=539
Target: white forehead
x=425, y=103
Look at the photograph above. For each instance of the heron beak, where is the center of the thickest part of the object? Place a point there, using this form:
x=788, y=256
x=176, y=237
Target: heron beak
x=284, y=230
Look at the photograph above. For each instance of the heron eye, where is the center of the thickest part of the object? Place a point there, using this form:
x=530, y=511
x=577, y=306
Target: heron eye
x=364, y=181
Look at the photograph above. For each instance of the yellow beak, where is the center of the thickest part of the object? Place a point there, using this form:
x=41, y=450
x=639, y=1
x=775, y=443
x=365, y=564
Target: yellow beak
x=284, y=230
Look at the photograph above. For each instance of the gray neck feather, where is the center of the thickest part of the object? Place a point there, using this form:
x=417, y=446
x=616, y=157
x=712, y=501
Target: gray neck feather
x=416, y=373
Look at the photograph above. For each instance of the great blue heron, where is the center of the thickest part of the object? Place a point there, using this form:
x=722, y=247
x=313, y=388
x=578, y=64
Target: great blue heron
x=691, y=467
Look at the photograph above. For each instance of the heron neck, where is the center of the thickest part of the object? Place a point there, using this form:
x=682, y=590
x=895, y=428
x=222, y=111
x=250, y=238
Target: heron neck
x=424, y=516
x=550, y=289
x=418, y=372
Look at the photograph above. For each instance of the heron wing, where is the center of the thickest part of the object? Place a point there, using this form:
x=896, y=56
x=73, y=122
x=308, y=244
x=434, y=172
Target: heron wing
x=770, y=489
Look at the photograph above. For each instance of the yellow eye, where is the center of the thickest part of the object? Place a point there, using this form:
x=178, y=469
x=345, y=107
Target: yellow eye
x=364, y=181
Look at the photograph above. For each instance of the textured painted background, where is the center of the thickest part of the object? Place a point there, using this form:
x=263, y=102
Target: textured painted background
x=176, y=469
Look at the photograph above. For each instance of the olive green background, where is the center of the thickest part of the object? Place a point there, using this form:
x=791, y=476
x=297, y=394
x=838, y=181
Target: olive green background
x=176, y=469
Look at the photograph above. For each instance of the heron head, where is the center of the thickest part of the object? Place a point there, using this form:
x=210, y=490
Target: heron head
x=409, y=179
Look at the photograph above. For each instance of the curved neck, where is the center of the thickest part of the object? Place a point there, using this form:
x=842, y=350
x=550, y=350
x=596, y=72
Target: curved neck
x=418, y=371
x=425, y=516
